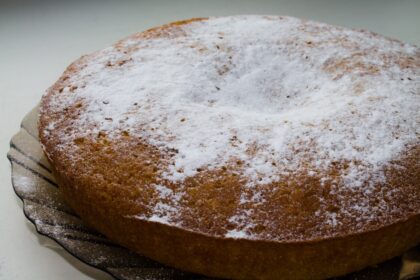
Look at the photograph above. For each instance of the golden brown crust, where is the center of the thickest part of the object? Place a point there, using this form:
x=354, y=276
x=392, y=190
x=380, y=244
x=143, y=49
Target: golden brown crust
x=245, y=259
x=109, y=184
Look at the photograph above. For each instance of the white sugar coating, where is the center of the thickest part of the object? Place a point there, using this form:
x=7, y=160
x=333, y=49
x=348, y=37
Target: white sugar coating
x=24, y=184
x=236, y=234
x=281, y=95
x=166, y=209
x=234, y=83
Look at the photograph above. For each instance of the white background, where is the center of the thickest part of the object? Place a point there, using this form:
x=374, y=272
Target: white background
x=38, y=39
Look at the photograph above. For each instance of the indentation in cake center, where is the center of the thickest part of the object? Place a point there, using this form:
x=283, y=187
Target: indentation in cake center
x=273, y=85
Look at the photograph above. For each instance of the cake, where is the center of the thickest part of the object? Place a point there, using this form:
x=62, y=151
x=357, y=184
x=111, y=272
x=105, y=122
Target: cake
x=245, y=147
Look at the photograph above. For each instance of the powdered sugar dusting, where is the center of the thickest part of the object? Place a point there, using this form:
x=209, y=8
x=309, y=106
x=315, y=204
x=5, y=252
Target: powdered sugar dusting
x=279, y=94
x=23, y=184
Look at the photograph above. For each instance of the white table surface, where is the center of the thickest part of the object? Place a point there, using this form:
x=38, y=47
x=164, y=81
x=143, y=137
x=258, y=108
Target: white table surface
x=38, y=40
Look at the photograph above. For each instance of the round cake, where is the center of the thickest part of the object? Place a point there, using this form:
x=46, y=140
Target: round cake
x=245, y=147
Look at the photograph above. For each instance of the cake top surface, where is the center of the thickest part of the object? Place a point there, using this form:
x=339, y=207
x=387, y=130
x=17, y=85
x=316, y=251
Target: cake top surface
x=293, y=122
